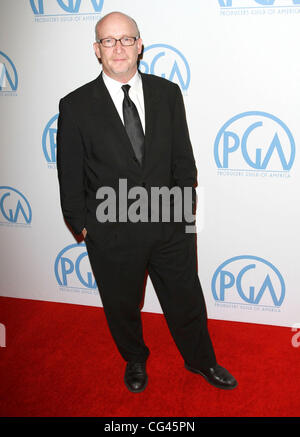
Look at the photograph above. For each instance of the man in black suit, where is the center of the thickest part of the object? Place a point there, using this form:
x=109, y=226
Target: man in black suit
x=128, y=126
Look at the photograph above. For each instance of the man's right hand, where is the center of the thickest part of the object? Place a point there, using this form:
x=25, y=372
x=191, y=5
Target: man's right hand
x=84, y=232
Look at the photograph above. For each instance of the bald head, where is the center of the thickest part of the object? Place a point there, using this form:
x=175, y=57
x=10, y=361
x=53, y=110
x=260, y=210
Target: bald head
x=116, y=17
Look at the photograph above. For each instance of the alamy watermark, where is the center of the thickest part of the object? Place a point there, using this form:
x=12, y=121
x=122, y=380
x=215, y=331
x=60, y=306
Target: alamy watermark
x=296, y=337
x=139, y=205
x=2, y=335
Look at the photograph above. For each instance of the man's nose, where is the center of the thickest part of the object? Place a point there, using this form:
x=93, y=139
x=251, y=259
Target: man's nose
x=118, y=46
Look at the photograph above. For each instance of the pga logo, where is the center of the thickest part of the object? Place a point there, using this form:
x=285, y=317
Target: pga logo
x=248, y=279
x=254, y=140
x=14, y=207
x=65, y=6
x=168, y=62
x=8, y=74
x=49, y=140
x=72, y=268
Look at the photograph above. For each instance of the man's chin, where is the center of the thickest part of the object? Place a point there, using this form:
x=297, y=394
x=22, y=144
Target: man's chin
x=122, y=75
x=120, y=72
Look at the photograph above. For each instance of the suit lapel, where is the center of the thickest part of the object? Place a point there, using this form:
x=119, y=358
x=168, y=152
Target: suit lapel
x=104, y=108
x=151, y=99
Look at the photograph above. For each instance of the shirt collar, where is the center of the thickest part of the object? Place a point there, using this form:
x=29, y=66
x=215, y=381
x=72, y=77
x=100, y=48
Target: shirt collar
x=114, y=86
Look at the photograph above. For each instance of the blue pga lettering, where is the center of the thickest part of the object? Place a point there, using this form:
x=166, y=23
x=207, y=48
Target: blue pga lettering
x=14, y=206
x=168, y=62
x=37, y=6
x=68, y=6
x=248, y=279
x=72, y=268
x=256, y=139
x=8, y=74
x=241, y=3
x=49, y=140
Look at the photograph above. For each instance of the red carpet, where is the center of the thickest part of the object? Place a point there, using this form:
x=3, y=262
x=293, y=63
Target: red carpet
x=60, y=361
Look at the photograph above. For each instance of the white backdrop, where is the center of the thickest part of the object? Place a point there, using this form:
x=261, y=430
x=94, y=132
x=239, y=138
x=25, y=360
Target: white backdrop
x=237, y=64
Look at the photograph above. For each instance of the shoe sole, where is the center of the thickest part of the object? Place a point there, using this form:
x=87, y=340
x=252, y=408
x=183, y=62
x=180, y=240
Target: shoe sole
x=140, y=389
x=224, y=387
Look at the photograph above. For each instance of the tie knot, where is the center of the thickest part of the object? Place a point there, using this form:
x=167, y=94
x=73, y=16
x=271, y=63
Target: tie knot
x=125, y=89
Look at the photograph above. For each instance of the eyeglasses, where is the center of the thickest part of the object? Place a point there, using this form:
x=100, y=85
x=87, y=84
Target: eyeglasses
x=125, y=41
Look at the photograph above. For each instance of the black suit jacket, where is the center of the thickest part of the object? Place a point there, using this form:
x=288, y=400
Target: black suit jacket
x=93, y=149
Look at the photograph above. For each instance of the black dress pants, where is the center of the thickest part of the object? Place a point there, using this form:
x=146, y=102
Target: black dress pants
x=120, y=262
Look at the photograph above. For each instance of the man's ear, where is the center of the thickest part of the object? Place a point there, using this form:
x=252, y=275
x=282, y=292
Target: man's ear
x=97, y=50
x=140, y=45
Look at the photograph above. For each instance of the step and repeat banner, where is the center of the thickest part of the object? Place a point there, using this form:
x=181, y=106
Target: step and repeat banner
x=237, y=63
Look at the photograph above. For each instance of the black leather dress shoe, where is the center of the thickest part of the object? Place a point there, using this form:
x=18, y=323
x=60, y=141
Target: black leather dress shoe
x=136, y=377
x=216, y=376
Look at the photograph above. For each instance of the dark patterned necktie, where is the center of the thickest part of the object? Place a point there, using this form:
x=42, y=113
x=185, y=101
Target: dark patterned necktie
x=133, y=125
